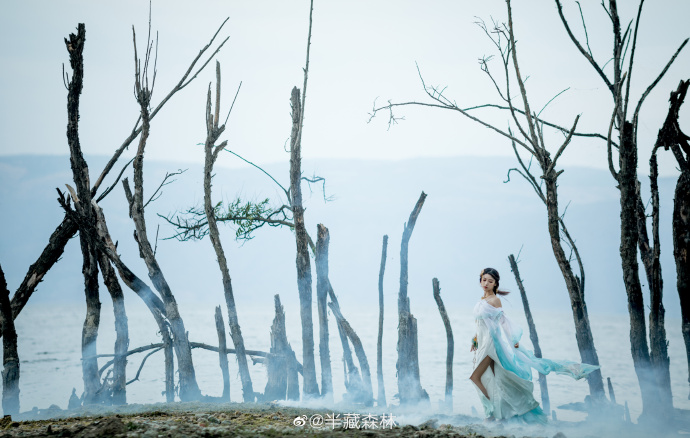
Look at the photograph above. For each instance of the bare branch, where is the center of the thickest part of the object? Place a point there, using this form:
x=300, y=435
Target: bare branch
x=582, y=50
x=653, y=84
x=632, y=57
x=563, y=146
x=164, y=183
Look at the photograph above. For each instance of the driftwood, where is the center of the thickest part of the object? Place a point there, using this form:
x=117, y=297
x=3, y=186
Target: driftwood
x=381, y=399
x=213, y=132
x=223, y=355
x=321, y=262
x=410, y=389
x=544, y=389
x=10, y=355
x=450, y=343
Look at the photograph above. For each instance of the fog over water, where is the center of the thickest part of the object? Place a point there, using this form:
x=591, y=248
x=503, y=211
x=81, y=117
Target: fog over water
x=471, y=220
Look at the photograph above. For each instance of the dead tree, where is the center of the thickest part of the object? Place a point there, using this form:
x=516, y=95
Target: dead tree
x=321, y=262
x=381, y=400
x=671, y=137
x=80, y=172
x=651, y=362
x=213, y=132
x=450, y=345
x=223, y=355
x=68, y=228
x=364, y=396
x=354, y=385
x=282, y=374
x=10, y=355
x=409, y=385
x=543, y=388
x=189, y=389
x=530, y=138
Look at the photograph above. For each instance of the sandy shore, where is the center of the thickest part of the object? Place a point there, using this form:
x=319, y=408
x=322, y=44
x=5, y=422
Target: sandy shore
x=272, y=420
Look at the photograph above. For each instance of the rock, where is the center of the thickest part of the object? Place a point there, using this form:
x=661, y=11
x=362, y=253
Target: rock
x=559, y=435
x=107, y=427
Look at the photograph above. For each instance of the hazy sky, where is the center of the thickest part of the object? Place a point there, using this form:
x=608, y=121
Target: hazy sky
x=360, y=51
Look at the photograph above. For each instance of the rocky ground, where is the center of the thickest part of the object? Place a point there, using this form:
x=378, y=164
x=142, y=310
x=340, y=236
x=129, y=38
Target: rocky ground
x=271, y=420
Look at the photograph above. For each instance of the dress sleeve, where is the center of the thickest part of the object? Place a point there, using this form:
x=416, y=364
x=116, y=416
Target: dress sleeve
x=513, y=333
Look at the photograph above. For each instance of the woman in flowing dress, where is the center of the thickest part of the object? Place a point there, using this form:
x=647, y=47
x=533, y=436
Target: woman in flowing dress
x=502, y=371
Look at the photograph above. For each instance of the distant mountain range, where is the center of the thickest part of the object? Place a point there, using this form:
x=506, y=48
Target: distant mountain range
x=471, y=219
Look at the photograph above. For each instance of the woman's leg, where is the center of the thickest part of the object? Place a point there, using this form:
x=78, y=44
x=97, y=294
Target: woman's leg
x=476, y=376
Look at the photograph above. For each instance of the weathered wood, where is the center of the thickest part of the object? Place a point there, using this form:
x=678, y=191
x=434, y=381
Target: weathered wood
x=321, y=262
x=381, y=399
x=612, y=395
x=223, y=355
x=119, y=391
x=672, y=137
x=10, y=354
x=213, y=132
x=366, y=397
x=277, y=367
x=82, y=202
x=543, y=388
x=354, y=385
x=450, y=344
x=188, y=386
x=409, y=386
x=302, y=261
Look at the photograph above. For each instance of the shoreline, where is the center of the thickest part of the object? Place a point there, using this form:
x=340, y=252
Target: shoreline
x=204, y=419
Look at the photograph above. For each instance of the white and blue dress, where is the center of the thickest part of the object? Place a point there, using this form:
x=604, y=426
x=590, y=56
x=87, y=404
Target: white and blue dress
x=510, y=384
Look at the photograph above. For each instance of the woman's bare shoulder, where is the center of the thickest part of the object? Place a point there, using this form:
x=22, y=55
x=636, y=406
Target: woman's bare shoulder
x=494, y=301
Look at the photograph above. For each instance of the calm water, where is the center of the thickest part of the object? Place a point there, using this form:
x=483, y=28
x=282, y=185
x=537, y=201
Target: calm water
x=49, y=348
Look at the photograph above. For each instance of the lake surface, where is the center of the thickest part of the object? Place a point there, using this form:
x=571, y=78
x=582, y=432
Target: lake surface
x=50, y=351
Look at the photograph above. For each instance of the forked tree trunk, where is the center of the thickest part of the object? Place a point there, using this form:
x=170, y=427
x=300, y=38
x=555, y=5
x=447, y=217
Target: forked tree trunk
x=543, y=388
x=381, y=399
x=282, y=369
x=10, y=355
x=450, y=345
x=354, y=384
x=409, y=386
x=366, y=396
x=321, y=262
x=310, y=386
x=628, y=250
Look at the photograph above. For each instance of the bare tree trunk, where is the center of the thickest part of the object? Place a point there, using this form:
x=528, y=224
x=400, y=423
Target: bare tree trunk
x=189, y=389
x=80, y=172
x=658, y=345
x=450, y=347
x=213, y=131
x=583, y=331
x=543, y=388
x=352, y=378
x=671, y=137
x=10, y=355
x=409, y=386
x=321, y=262
x=223, y=354
x=628, y=250
x=381, y=400
x=119, y=396
x=367, y=395
x=99, y=236
x=310, y=386
x=278, y=363
x=681, y=252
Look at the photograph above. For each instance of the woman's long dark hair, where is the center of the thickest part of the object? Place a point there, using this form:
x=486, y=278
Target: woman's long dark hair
x=496, y=277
